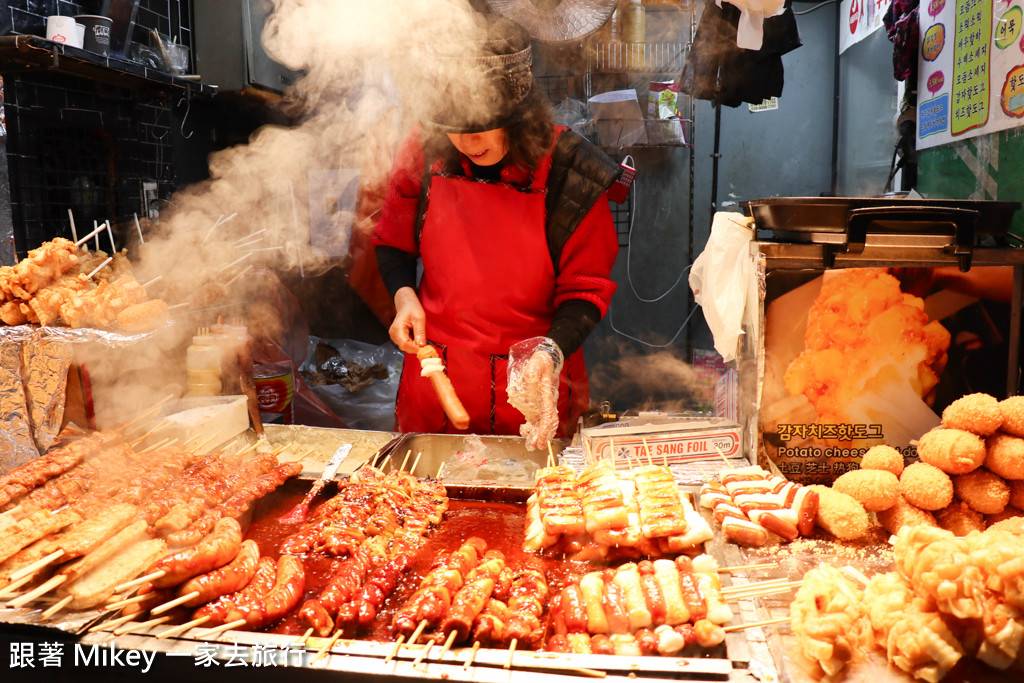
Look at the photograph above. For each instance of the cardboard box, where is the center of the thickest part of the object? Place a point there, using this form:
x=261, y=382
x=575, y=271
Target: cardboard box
x=673, y=440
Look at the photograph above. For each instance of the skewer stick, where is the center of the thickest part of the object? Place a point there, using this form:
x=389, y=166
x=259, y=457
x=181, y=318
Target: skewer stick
x=754, y=585
x=588, y=455
x=114, y=606
x=743, y=567
x=124, y=428
x=766, y=622
x=394, y=650
x=141, y=626
x=250, y=235
x=301, y=642
x=156, y=428
x=421, y=656
x=447, y=645
x=181, y=628
x=13, y=586
x=217, y=630
x=647, y=449
x=407, y=454
x=767, y=590
x=722, y=455
x=171, y=604
x=94, y=225
x=240, y=273
x=236, y=261
x=112, y=623
x=57, y=606
x=153, y=281
x=159, y=444
x=74, y=232
x=99, y=267
x=471, y=657
x=38, y=591
x=322, y=652
x=29, y=570
x=139, y=228
x=551, y=455
x=415, y=462
x=139, y=581
x=440, y=469
x=511, y=652
x=110, y=234
x=88, y=237
x=418, y=632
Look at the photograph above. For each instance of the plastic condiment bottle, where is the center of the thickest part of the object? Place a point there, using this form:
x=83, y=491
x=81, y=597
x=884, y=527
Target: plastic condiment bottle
x=232, y=341
x=202, y=363
x=634, y=32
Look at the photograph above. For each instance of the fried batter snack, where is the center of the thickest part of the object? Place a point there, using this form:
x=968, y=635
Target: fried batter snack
x=904, y=514
x=830, y=620
x=839, y=514
x=982, y=490
x=939, y=566
x=1017, y=494
x=1012, y=409
x=975, y=413
x=1005, y=455
x=926, y=486
x=953, y=451
x=874, y=489
x=865, y=338
x=959, y=518
x=882, y=457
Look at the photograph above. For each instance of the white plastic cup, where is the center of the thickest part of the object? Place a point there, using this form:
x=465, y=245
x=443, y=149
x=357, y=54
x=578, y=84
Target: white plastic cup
x=62, y=30
x=80, y=34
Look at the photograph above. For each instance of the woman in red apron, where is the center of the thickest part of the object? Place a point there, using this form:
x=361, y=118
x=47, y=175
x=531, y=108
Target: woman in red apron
x=469, y=197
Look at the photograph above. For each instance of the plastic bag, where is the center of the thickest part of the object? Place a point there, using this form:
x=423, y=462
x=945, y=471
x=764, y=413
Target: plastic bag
x=534, y=366
x=721, y=279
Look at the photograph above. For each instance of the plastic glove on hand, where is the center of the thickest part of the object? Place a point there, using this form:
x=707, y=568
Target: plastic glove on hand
x=533, y=370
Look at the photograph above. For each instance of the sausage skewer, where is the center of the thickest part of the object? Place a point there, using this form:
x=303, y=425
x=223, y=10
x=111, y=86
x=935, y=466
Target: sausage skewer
x=430, y=365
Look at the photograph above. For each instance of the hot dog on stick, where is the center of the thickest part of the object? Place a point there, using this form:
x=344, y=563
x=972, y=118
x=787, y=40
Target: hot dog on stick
x=430, y=366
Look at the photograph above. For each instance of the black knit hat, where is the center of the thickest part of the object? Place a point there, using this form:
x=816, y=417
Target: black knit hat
x=482, y=88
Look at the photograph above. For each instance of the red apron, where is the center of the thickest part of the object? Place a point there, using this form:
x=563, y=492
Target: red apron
x=488, y=282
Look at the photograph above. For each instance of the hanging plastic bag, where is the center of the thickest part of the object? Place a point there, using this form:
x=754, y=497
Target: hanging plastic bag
x=720, y=279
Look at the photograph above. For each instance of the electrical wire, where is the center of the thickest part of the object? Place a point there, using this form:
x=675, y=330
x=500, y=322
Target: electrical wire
x=818, y=6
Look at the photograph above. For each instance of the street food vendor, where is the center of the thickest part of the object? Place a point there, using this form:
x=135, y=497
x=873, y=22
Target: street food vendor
x=509, y=216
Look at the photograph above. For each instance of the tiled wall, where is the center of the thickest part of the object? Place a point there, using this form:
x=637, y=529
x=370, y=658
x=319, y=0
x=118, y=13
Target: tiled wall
x=79, y=144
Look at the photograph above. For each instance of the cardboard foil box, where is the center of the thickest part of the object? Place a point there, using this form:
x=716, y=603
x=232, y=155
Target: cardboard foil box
x=666, y=439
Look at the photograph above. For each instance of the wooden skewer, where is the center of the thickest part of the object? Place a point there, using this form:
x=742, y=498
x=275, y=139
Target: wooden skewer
x=407, y=454
x=90, y=235
x=447, y=645
x=111, y=623
x=139, y=228
x=140, y=580
x=31, y=569
x=418, y=632
x=472, y=656
x=551, y=455
x=511, y=652
x=722, y=455
x=415, y=462
x=768, y=590
x=171, y=604
x=114, y=606
x=40, y=590
x=159, y=425
x=141, y=626
x=422, y=655
x=766, y=622
x=13, y=586
x=394, y=650
x=744, y=587
x=250, y=447
x=159, y=444
x=58, y=606
x=301, y=642
x=322, y=652
x=647, y=449
x=216, y=630
x=181, y=628
x=99, y=267
x=744, y=567
x=588, y=454
x=440, y=468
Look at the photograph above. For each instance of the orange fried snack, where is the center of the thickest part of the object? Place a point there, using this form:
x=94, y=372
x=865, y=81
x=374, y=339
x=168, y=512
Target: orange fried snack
x=926, y=486
x=953, y=451
x=959, y=518
x=1005, y=455
x=839, y=514
x=975, y=413
x=875, y=489
x=1012, y=410
x=904, y=514
x=883, y=458
x=982, y=490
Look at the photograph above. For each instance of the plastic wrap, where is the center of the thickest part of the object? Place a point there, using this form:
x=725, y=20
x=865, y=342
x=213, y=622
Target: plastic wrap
x=34, y=363
x=533, y=368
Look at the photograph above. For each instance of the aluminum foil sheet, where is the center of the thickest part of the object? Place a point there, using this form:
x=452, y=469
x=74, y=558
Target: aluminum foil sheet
x=34, y=363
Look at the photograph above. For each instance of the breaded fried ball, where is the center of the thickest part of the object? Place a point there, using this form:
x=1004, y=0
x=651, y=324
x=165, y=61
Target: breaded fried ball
x=1017, y=493
x=904, y=514
x=959, y=518
x=1012, y=409
x=1005, y=455
x=926, y=486
x=953, y=451
x=1015, y=525
x=839, y=514
x=982, y=491
x=1008, y=512
x=875, y=489
x=975, y=413
x=883, y=458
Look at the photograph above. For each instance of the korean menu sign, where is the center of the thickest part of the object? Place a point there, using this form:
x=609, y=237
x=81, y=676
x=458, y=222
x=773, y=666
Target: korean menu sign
x=970, y=69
